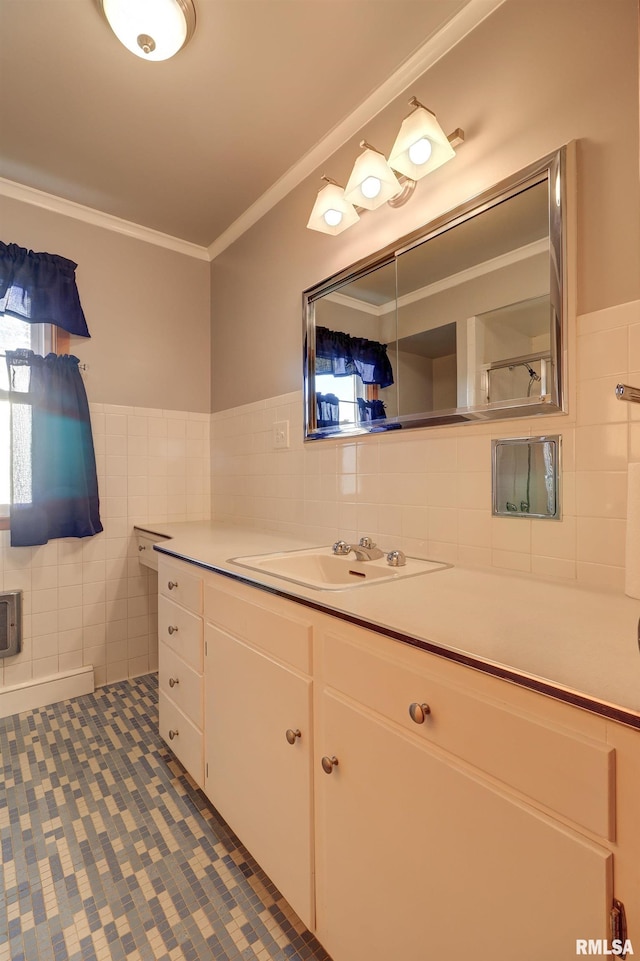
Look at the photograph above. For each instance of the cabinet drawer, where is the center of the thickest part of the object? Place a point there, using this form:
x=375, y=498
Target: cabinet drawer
x=146, y=553
x=181, y=631
x=183, y=738
x=278, y=634
x=181, y=586
x=562, y=770
x=186, y=690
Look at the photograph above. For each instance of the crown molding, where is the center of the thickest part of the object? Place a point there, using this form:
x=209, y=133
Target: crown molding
x=89, y=215
x=428, y=54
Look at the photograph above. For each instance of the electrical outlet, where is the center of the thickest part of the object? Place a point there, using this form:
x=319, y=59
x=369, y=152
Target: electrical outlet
x=281, y=434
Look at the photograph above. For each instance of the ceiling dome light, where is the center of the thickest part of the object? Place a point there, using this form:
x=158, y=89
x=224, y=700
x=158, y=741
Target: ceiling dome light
x=419, y=127
x=152, y=29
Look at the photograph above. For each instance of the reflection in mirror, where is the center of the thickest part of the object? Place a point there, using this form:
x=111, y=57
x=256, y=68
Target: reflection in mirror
x=525, y=477
x=457, y=329
x=355, y=377
x=459, y=321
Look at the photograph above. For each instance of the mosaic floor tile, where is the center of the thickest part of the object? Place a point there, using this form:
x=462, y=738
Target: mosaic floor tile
x=109, y=851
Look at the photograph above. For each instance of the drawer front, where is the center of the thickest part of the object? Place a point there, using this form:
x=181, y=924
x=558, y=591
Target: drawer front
x=566, y=772
x=182, y=684
x=146, y=553
x=179, y=584
x=181, y=631
x=182, y=737
x=282, y=636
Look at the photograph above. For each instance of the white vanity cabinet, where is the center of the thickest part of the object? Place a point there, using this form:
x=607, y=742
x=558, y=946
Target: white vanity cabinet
x=476, y=831
x=407, y=806
x=180, y=663
x=258, y=722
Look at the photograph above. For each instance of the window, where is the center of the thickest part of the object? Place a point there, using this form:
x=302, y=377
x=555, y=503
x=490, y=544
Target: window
x=347, y=390
x=15, y=333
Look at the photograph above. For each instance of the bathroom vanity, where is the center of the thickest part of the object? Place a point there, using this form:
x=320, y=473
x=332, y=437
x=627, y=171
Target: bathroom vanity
x=409, y=798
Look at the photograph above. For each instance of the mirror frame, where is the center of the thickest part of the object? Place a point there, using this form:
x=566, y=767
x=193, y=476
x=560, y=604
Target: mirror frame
x=551, y=169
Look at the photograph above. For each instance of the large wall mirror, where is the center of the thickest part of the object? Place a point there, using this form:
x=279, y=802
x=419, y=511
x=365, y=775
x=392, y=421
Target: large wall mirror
x=462, y=320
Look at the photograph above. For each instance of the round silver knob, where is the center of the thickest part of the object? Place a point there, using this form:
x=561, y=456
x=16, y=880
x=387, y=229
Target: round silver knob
x=173, y=681
x=141, y=547
x=328, y=763
x=292, y=735
x=418, y=712
x=341, y=548
x=396, y=559
x=172, y=734
x=367, y=542
x=172, y=584
x=172, y=630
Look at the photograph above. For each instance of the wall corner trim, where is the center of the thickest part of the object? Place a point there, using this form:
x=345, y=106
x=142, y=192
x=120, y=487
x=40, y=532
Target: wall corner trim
x=89, y=215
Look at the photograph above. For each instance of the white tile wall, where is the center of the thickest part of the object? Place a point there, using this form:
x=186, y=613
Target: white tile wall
x=89, y=600
x=429, y=491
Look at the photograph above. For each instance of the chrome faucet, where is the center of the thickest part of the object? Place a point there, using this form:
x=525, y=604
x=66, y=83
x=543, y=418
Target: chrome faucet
x=365, y=551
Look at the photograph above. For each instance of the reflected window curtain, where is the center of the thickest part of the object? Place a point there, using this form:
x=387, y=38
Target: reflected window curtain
x=370, y=410
x=53, y=465
x=327, y=410
x=342, y=355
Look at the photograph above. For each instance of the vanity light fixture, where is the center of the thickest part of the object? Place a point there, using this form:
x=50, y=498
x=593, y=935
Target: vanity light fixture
x=372, y=181
x=331, y=213
x=420, y=147
x=152, y=29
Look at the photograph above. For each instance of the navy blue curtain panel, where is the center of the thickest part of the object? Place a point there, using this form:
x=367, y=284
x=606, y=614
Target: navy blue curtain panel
x=54, y=478
x=40, y=289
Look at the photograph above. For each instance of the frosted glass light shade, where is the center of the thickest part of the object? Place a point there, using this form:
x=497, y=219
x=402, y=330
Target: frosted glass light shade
x=372, y=181
x=331, y=213
x=419, y=126
x=152, y=29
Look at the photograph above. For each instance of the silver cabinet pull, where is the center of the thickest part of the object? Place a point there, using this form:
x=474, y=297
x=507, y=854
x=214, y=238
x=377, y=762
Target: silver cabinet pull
x=292, y=735
x=328, y=763
x=173, y=681
x=172, y=630
x=172, y=734
x=418, y=712
x=172, y=584
x=141, y=547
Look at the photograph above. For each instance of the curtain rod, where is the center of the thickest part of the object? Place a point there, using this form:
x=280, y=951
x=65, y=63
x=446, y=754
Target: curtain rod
x=81, y=366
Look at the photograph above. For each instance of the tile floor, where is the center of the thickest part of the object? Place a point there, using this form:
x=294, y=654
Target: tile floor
x=109, y=851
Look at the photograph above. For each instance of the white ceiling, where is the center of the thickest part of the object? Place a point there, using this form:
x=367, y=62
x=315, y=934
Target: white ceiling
x=189, y=145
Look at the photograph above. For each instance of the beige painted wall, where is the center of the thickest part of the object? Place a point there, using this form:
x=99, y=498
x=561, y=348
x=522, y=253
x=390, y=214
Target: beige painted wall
x=532, y=77
x=147, y=309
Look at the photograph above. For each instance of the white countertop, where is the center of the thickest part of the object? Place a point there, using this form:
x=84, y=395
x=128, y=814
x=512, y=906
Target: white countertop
x=580, y=643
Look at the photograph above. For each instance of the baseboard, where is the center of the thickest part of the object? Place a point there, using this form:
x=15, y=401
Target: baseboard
x=43, y=691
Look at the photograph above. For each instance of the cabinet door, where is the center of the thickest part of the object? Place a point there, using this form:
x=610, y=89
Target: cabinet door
x=416, y=857
x=260, y=783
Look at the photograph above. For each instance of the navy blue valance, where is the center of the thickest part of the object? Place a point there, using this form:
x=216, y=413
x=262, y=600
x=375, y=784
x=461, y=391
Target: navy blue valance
x=353, y=355
x=40, y=288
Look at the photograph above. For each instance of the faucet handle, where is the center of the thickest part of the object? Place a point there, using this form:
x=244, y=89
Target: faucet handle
x=341, y=548
x=367, y=542
x=396, y=559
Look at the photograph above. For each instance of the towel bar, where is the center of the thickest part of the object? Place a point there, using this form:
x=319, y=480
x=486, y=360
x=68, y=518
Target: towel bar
x=624, y=392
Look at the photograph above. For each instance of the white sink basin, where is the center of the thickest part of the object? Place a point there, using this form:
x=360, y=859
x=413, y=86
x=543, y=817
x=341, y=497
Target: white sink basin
x=322, y=570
